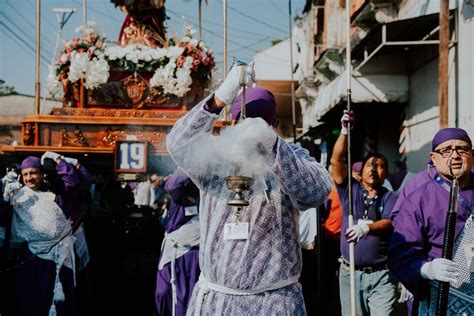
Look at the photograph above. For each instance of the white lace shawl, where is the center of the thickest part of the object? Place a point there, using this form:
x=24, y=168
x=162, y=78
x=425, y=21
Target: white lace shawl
x=40, y=222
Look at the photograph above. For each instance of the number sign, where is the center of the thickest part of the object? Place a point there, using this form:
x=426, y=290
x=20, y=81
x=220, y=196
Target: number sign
x=131, y=156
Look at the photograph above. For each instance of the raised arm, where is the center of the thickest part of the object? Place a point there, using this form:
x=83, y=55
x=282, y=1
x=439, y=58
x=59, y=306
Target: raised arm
x=305, y=180
x=339, y=168
x=199, y=122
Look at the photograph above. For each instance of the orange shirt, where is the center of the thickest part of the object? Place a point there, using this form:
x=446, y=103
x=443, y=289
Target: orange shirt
x=332, y=226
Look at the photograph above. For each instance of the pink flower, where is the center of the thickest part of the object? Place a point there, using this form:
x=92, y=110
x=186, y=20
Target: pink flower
x=195, y=64
x=180, y=61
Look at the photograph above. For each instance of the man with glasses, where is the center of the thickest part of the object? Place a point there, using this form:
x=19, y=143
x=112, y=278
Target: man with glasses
x=419, y=226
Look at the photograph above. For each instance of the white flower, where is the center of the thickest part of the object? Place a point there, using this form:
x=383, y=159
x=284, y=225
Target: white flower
x=79, y=29
x=158, y=53
x=202, y=46
x=97, y=73
x=174, y=52
x=78, y=68
x=193, y=42
x=52, y=84
x=188, y=62
x=173, y=80
x=186, y=39
x=63, y=58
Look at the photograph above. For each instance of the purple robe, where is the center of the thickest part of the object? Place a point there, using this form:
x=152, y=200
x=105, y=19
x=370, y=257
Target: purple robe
x=419, y=219
x=35, y=278
x=187, y=266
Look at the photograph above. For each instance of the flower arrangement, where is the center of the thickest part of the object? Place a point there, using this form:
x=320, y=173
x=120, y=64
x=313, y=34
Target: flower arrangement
x=81, y=58
x=175, y=68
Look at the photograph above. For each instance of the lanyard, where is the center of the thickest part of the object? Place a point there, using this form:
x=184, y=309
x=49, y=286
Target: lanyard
x=368, y=203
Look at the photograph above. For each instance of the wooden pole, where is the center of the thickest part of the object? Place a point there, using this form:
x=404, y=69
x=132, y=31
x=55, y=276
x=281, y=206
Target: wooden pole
x=200, y=20
x=443, y=63
x=38, y=57
x=84, y=13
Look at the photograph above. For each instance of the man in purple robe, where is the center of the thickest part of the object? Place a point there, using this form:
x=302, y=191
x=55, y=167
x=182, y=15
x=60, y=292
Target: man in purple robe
x=419, y=225
x=250, y=257
x=178, y=268
x=45, y=281
x=372, y=208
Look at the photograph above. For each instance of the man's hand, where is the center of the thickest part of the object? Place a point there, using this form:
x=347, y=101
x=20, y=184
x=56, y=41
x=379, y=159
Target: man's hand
x=228, y=90
x=51, y=155
x=72, y=161
x=11, y=176
x=356, y=232
x=10, y=189
x=440, y=269
x=347, y=117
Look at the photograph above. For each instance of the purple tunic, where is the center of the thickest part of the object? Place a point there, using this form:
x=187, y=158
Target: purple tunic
x=419, y=219
x=35, y=278
x=187, y=266
x=370, y=250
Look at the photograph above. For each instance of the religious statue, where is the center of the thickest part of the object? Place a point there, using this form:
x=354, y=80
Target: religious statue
x=144, y=22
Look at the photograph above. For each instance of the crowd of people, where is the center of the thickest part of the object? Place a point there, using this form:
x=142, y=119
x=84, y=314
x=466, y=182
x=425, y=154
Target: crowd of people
x=219, y=259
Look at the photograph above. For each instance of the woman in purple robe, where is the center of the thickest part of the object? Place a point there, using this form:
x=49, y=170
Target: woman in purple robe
x=178, y=269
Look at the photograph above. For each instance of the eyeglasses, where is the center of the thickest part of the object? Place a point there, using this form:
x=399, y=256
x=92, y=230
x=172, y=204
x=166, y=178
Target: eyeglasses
x=460, y=150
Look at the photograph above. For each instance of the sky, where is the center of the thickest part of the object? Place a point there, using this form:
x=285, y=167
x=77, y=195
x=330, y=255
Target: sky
x=252, y=26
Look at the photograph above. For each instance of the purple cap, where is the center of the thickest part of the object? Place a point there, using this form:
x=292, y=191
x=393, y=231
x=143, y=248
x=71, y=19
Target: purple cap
x=357, y=166
x=259, y=103
x=31, y=162
x=450, y=134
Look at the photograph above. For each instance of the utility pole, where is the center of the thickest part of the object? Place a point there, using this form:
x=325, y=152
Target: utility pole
x=38, y=56
x=224, y=6
x=200, y=20
x=84, y=13
x=443, y=63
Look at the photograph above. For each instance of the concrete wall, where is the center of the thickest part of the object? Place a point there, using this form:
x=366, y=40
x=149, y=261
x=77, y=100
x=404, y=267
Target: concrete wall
x=422, y=113
x=466, y=67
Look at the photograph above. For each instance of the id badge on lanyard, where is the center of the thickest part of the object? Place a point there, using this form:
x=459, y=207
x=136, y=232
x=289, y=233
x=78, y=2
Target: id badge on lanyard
x=236, y=231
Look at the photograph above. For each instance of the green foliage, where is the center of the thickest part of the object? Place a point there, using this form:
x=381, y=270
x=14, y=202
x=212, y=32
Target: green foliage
x=5, y=89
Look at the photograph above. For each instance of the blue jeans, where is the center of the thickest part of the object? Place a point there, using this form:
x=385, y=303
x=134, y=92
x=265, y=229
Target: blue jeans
x=375, y=292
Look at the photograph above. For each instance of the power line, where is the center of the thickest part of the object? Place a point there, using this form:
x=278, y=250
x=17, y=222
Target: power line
x=230, y=41
x=215, y=23
x=18, y=38
x=253, y=19
x=99, y=12
x=243, y=47
x=26, y=19
x=278, y=8
x=33, y=5
x=26, y=35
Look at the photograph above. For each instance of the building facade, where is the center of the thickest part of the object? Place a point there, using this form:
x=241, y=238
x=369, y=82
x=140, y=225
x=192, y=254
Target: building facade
x=395, y=56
